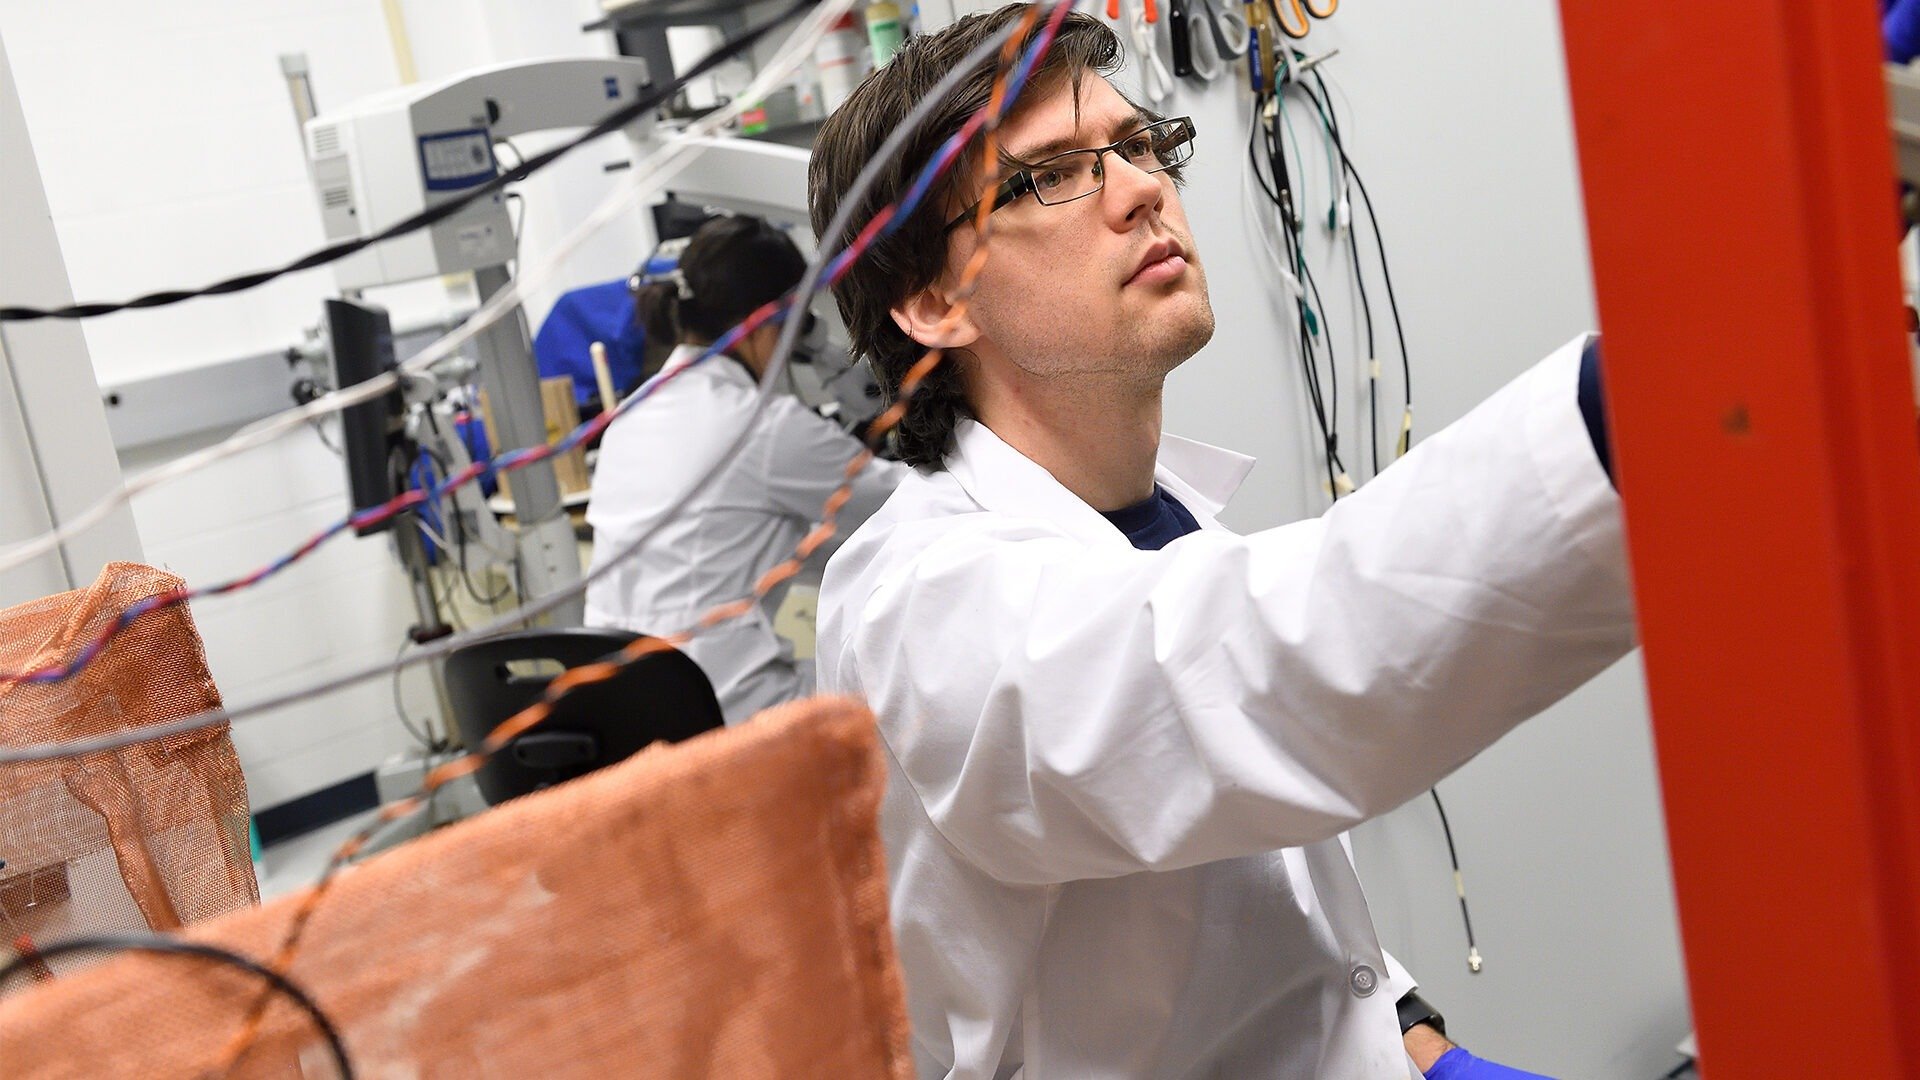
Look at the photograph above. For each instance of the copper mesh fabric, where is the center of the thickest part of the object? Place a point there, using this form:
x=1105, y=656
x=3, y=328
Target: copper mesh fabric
x=148, y=837
x=711, y=909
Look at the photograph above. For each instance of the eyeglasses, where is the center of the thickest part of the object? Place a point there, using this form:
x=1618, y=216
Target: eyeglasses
x=1077, y=174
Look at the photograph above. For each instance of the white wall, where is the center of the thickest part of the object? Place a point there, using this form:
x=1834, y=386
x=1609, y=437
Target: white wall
x=1457, y=116
x=50, y=410
x=171, y=158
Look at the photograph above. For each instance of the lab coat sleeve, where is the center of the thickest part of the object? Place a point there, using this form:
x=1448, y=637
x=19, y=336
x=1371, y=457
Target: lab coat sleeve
x=806, y=460
x=1065, y=710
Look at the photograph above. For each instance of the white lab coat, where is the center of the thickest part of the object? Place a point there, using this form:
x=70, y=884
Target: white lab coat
x=741, y=526
x=1119, y=777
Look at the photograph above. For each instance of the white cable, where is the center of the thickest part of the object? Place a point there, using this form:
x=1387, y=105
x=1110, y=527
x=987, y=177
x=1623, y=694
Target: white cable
x=657, y=166
x=1155, y=79
x=1265, y=219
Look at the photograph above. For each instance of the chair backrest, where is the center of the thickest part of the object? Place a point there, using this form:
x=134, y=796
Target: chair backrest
x=716, y=908
x=151, y=836
x=661, y=697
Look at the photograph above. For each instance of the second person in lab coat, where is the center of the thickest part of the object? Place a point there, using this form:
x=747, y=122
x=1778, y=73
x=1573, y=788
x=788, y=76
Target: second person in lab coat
x=748, y=519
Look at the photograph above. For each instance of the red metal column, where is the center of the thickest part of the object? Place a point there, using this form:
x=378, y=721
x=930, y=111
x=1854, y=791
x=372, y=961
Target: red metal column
x=1741, y=206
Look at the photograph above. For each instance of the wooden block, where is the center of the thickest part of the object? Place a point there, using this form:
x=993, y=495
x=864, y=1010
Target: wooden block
x=562, y=415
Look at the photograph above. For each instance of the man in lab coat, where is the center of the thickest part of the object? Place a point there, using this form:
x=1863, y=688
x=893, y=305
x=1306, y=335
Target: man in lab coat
x=1124, y=741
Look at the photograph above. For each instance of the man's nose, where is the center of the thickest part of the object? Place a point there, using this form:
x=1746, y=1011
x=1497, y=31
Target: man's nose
x=1131, y=193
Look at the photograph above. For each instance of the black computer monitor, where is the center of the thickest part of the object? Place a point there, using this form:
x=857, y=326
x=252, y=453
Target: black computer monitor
x=361, y=339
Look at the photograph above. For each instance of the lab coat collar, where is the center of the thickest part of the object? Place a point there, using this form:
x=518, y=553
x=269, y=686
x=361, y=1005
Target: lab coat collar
x=720, y=367
x=1004, y=480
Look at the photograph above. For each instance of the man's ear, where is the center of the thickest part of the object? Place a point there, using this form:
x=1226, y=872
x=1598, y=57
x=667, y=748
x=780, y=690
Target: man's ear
x=920, y=316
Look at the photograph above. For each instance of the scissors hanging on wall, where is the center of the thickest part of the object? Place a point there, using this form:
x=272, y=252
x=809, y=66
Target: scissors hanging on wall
x=1204, y=38
x=1293, y=15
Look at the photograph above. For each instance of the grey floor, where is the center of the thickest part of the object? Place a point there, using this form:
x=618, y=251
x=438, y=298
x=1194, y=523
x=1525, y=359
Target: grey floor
x=297, y=861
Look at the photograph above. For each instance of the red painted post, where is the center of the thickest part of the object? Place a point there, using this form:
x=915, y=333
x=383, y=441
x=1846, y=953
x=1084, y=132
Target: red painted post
x=1741, y=206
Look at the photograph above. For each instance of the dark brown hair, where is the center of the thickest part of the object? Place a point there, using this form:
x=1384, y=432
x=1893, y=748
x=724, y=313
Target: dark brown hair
x=898, y=266
x=731, y=267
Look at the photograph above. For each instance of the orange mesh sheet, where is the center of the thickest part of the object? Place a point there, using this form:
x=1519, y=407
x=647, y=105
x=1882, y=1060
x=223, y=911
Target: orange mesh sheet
x=148, y=837
x=712, y=909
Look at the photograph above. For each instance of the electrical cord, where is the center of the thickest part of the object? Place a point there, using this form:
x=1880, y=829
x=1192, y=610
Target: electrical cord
x=1322, y=102
x=277, y=982
x=1262, y=136
x=518, y=222
x=1340, y=484
x=1338, y=218
x=519, y=159
x=1386, y=274
x=662, y=162
x=326, y=440
x=1306, y=319
x=1474, y=963
x=1278, y=192
x=611, y=122
x=424, y=738
x=449, y=511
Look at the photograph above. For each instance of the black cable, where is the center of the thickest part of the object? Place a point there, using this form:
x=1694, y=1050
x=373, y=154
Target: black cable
x=320, y=432
x=458, y=529
x=1335, y=466
x=519, y=159
x=1307, y=320
x=1333, y=374
x=515, y=198
x=1683, y=1069
x=167, y=946
x=1459, y=883
x=1323, y=102
x=608, y=124
x=1279, y=196
x=1331, y=117
x=1380, y=244
x=424, y=738
x=1280, y=193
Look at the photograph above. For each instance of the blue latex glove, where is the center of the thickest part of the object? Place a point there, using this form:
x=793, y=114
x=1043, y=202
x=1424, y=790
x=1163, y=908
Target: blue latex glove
x=1900, y=29
x=1458, y=1064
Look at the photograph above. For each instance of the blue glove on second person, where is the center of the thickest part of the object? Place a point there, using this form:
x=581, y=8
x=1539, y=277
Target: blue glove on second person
x=1458, y=1064
x=1900, y=29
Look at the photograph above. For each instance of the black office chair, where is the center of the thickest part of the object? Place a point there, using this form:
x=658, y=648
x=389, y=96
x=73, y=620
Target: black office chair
x=664, y=695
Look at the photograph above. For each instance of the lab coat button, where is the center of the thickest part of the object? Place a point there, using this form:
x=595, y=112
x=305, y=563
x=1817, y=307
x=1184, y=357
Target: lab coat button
x=1363, y=980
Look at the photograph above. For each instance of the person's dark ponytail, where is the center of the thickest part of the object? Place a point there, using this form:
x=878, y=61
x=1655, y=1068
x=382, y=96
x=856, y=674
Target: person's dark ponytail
x=731, y=267
x=656, y=308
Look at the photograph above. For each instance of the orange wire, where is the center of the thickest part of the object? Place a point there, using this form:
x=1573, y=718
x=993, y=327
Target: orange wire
x=600, y=671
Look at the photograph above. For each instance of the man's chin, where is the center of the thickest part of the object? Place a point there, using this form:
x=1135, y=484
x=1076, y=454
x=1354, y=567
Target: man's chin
x=1186, y=332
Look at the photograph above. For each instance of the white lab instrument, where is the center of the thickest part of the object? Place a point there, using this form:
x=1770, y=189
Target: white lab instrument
x=1118, y=776
x=390, y=156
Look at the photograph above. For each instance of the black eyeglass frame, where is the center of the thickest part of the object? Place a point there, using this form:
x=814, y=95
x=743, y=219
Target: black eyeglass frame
x=1021, y=182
